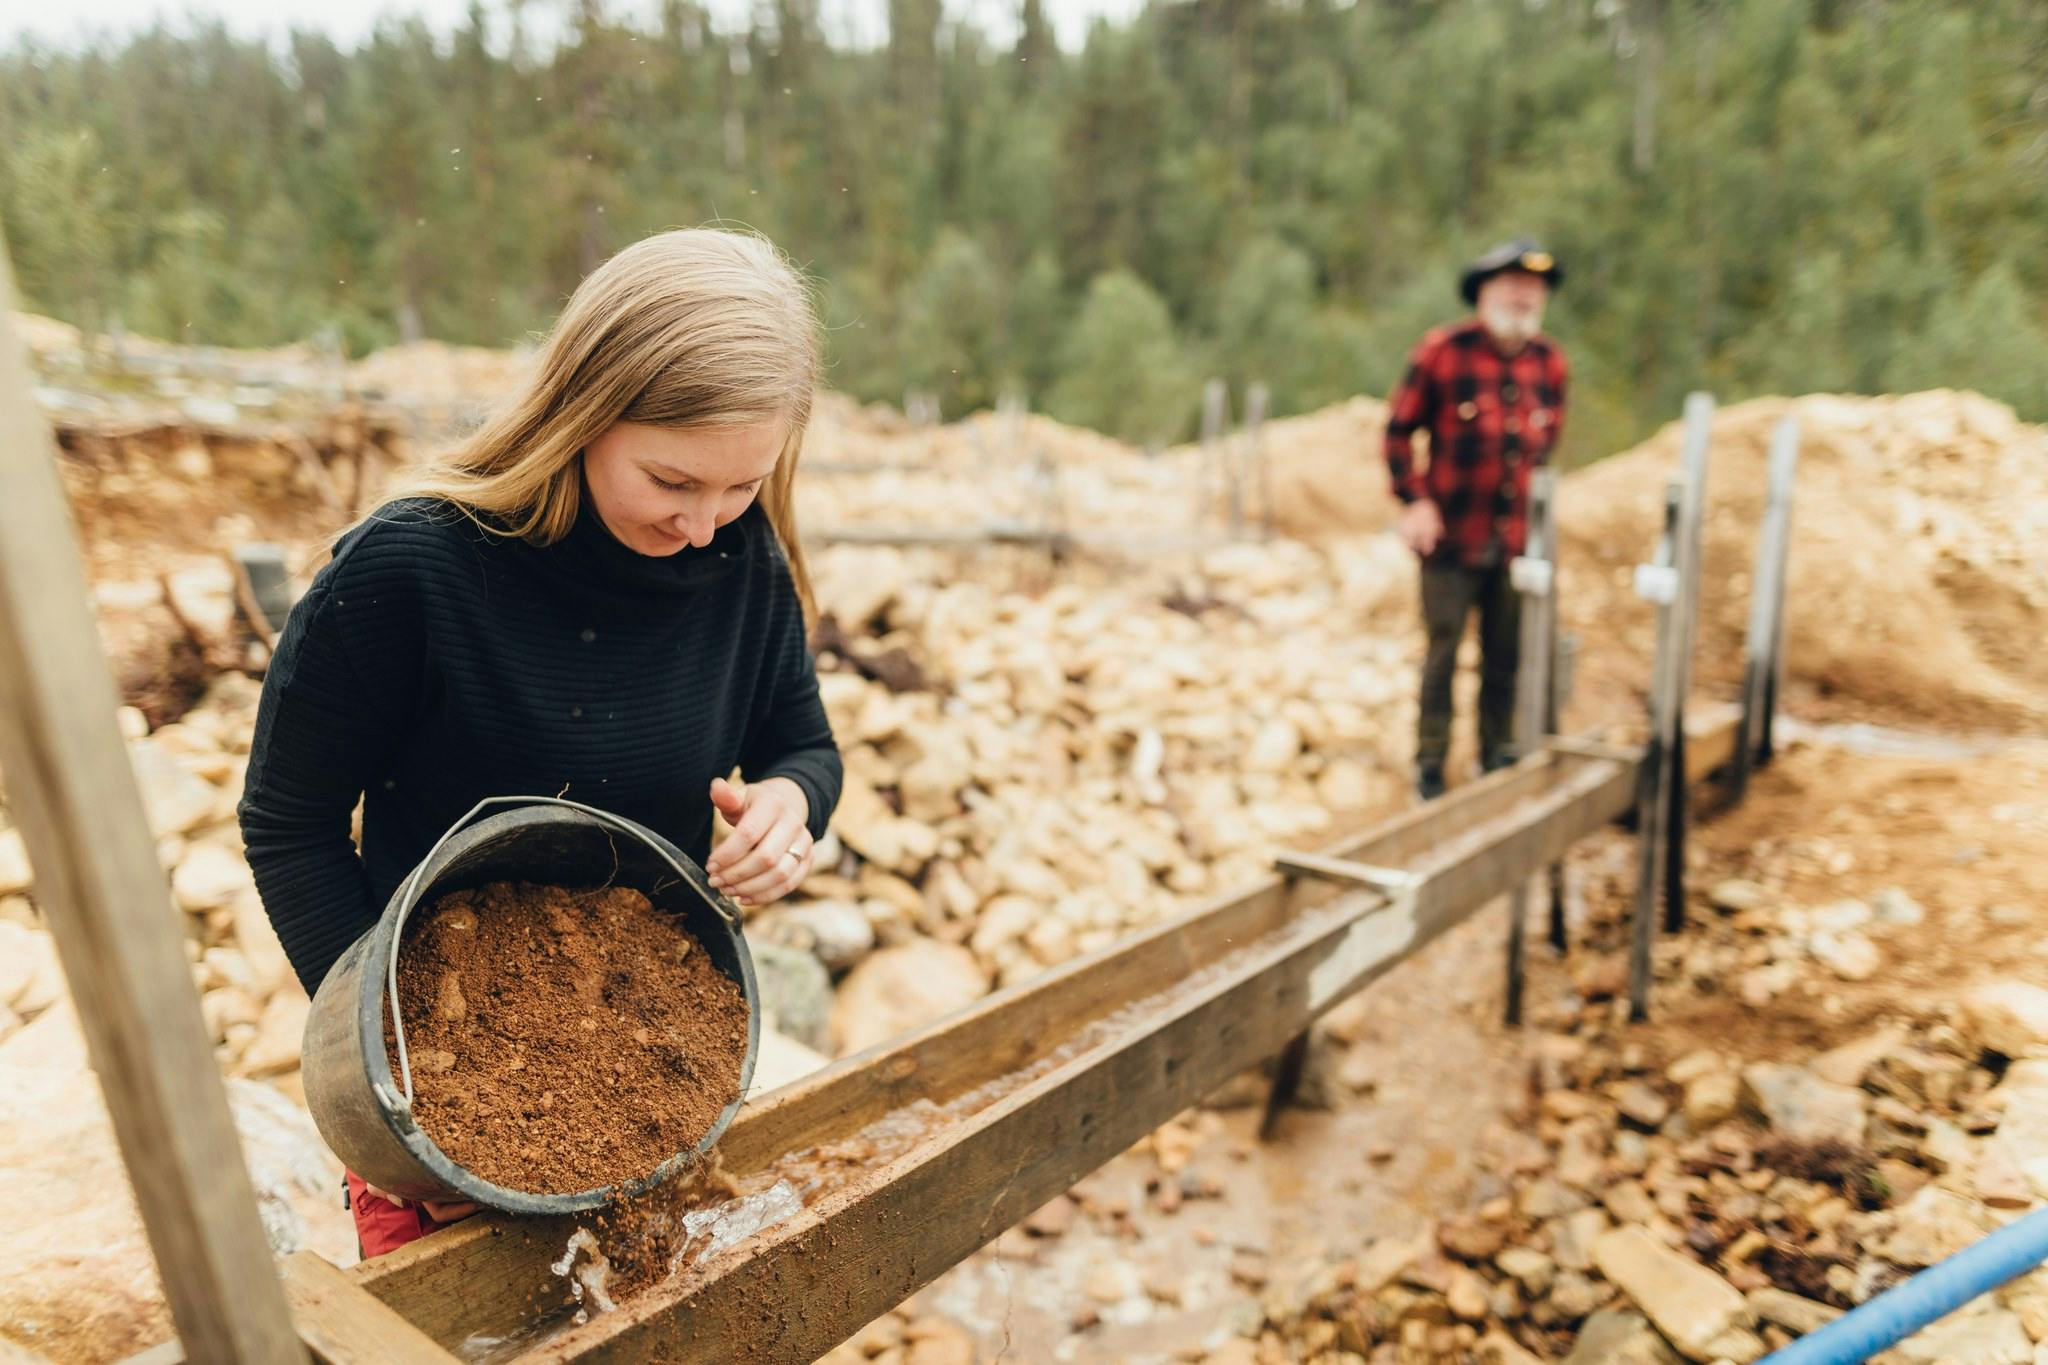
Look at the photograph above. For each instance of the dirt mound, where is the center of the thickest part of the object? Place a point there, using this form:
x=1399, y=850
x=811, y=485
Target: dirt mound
x=1919, y=573
x=1325, y=470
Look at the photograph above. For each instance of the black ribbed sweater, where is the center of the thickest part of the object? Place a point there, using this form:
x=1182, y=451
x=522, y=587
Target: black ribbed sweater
x=433, y=664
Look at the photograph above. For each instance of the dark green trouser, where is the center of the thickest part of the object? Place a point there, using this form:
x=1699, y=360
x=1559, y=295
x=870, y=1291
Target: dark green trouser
x=1450, y=592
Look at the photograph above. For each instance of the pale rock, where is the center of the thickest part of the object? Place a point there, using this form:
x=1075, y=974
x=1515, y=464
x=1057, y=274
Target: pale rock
x=1051, y=941
x=1641, y=1104
x=1736, y=895
x=15, y=875
x=838, y=933
x=280, y=1033
x=1467, y=1295
x=1572, y=1295
x=1003, y=921
x=1691, y=1305
x=1498, y=1348
x=31, y=976
x=227, y=1006
x=1894, y=906
x=1839, y=917
x=1693, y=1065
x=903, y=988
x=133, y=724
x=1572, y=1238
x=2004, y=1159
x=1851, y=1062
x=1345, y=785
x=1800, y=1105
x=1386, y=1259
x=796, y=992
x=1530, y=1268
x=270, y=969
x=1795, y=1313
x=781, y=1061
x=2010, y=1017
x=1620, y=1337
x=1848, y=954
x=1931, y=1226
x=209, y=877
x=1711, y=1098
x=934, y=1341
x=52, y=1041
x=81, y=1280
x=1991, y=1337
x=1275, y=747
x=176, y=800
x=1113, y=1282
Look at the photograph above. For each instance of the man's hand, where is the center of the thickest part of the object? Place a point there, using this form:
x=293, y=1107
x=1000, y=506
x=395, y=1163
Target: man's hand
x=1422, y=526
x=769, y=852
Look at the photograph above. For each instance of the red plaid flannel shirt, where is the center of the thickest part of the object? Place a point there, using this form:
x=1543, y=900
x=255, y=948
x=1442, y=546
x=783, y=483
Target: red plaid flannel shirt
x=1491, y=419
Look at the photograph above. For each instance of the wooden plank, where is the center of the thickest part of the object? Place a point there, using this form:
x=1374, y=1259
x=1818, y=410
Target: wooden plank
x=870, y=1238
x=1391, y=880
x=485, y=1276
x=98, y=880
x=344, y=1324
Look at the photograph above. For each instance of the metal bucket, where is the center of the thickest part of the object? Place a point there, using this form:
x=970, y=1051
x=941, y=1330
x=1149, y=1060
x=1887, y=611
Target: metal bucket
x=365, y=1112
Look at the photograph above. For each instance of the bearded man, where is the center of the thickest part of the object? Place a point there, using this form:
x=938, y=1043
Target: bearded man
x=1489, y=391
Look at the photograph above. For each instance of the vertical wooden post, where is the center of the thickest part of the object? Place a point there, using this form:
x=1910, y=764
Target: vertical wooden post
x=1533, y=574
x=1215, y=416
x=1656, y=582
x=1764, y=665
x=99, y=883
x=1692, y=514
x=1673, y=583
x=1255, y=400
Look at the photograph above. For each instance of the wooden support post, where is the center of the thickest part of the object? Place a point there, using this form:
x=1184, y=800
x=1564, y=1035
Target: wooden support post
x=1692, y=515
x=100, y=885
x=1763, y=665
x=1673, y=583
x=1256, y=399
x=1215, y=417
x=1534, y=578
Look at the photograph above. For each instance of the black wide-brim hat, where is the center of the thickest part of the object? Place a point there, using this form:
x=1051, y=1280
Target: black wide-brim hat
x=1521, y=254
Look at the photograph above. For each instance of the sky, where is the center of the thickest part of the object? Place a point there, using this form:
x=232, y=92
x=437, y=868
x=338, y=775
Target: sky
x=846, y=21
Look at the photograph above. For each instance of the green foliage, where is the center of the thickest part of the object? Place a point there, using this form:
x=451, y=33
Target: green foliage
x=1122, y=368
x=1752, y=195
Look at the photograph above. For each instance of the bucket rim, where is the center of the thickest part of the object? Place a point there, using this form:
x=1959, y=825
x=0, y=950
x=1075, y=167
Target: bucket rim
x=393, y=1107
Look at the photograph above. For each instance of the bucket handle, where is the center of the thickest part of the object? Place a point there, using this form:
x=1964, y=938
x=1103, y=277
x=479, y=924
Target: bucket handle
x=405, y=903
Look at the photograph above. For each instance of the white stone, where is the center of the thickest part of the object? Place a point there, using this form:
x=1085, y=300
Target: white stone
x=1993, y=1337
x=838, y=933
x=210, y=876
x=280, y=1034
x=15, y=875
x=1691, y=1305
x=1004, y=921
x=1848, y=954
x=175, y=799
x=902, y=988
x=1801, y=1105
x=2008, y=1016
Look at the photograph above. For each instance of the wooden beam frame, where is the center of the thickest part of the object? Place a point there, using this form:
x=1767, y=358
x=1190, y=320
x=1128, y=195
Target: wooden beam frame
x=100, y=885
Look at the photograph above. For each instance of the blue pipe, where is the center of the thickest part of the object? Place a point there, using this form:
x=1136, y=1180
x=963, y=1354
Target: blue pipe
x=1935, y=1292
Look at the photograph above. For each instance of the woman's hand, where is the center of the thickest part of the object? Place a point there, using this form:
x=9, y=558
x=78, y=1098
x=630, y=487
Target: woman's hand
x=769, y=852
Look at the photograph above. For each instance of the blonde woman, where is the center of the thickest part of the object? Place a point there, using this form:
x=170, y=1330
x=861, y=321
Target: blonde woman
x=598, y=595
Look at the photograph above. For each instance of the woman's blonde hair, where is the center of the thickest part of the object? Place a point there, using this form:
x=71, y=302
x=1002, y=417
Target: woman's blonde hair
x=693, y=328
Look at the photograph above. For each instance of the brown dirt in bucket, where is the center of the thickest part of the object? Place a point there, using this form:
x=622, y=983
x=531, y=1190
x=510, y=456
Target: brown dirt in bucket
x=562, y=1040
